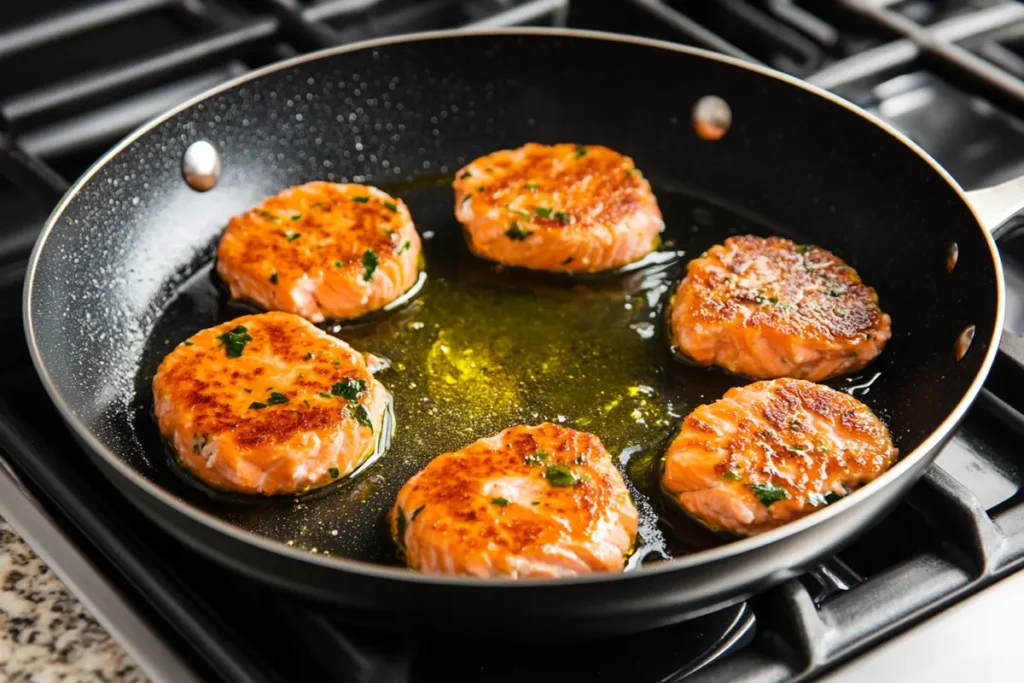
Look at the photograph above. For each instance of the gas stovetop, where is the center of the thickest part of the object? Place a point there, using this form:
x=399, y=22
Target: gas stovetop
x=75, y=77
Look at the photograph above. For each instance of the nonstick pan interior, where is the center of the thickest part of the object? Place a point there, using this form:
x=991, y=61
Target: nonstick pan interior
x=123, y=274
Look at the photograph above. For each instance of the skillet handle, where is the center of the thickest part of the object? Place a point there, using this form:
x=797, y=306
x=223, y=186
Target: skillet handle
x=996, y=205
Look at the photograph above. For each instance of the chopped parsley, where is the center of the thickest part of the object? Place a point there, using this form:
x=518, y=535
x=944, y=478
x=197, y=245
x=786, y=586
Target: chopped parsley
x=840, y=314
x=561, y=475
x=350, y=389
x=416, y=512
x=794, y=425
x=768, y=493
x=339, y=264
x=317, y=205
x=634, y=172
x=296, y=216
x=234, y=341
x=307, y=403
x=370, y=262
x=276, y=398
x=465, y=175
x=580, y=151
x=731, y=476
x=405, y=247
x=291, y=235
x=834, y=292
x=187, y=343
x=542, y=212
x=270, y=217
x=803, y=248
x=327, y=396
x=797, y=448
x=531, y=186
x=256, y=405
x=773, y=300
x=248, y=391
x=561, y=216
x=516, y=233
x=361, y=200
x=518, y=212
x=480, y=189
x=334, y=472
x=273, y=278
x=391, y=206
x=501, y=502
x=362, y=417
x=579, y=460
x=539, y=457
x=310, y=356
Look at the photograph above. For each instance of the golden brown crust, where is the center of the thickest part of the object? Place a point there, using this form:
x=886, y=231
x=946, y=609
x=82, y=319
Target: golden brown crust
x=565, y=207
x=254, y=405
x=788, y=435
x=768, y=307
x=457, y=507
x=308, y=250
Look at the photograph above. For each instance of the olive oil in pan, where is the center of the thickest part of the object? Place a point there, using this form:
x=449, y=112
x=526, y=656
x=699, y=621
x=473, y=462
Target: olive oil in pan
x=481, y=348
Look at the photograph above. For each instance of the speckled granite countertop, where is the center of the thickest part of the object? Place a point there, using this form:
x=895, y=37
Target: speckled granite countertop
x=45, y=633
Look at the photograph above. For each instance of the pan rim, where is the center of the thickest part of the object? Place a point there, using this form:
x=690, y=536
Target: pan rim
x=687, y=562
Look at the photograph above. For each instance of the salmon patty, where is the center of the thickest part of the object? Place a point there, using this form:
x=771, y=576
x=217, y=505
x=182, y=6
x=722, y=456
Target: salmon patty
x=268, y=404
x=542, y=501
x=771, y=452
x=564, y=208
x=767, y=308
x=322, y=250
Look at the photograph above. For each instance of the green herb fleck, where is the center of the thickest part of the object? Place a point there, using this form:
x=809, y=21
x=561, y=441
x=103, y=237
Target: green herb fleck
x=416, y=513
x=187, y=343
x=803, y=248
x=561, y=475
x=317, y=205
x=634, y=172
x=334, y=472
x=731, y=476
x=561, y=216
x=391, y=206
x=307, y=403
x=256, y=405
x=310, y=356
x=405, y=247
x=531, y=186
x=465, y=175
x=502, y=502
x=361, y=200
x=291, y=235
x=270, y=217
x=832, y=497
x=834, y=292
x=840, y=314
x=773, y=300
x=277, y=398
x=579, y=460
x=339, y=264
x=480, y=189
x=234, y=341
x=580, y=151
x=536, y=502
x=350, y=389
x=542, y=212
x=362, y=417
x=797, y=447
x=516, y=233
x=248, y=391
x=794, y=425
x=768, y=493
x=518, y=212
x=370, y=262
x=273, y=278
x=327, y=396
x=296, y=216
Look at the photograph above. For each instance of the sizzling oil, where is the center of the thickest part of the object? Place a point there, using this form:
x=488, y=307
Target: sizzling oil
x=478, y=349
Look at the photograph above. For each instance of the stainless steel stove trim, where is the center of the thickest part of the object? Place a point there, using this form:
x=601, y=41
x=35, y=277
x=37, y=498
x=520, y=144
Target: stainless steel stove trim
x=39, y=530
x=697, y=559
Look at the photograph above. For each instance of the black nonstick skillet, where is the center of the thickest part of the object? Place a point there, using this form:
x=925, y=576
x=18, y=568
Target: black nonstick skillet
x=121, y=273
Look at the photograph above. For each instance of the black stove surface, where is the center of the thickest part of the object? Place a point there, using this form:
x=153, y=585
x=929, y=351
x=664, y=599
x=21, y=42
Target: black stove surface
x=76, y=76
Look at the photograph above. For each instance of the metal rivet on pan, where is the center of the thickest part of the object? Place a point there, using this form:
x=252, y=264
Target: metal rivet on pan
x=963, y=342
x=712, y=117
x=951, y=257
x=201, y=165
